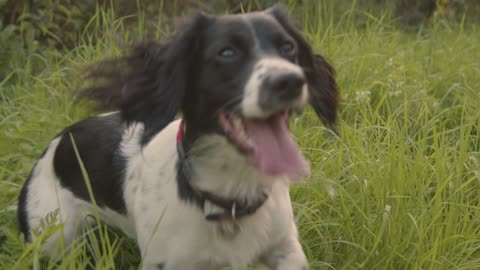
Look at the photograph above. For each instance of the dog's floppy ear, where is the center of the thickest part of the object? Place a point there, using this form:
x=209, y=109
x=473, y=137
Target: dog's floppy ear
x=149, y=84
x=320, y=74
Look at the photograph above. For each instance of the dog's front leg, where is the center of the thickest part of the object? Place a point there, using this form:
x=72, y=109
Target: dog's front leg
x=288, y=255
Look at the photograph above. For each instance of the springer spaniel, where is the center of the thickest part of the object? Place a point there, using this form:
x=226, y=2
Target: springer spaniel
x=212, y=189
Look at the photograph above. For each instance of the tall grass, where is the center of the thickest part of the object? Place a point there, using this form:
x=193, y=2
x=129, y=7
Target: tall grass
x=399, y=189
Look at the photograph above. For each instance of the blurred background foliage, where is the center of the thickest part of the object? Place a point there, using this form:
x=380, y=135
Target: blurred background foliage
x=29, y=27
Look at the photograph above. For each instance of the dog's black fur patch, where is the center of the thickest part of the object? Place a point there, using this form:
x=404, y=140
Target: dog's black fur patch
x=22, y=209
x=97, y=140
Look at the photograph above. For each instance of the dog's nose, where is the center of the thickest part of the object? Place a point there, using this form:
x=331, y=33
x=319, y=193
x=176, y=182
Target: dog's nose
x=287, y=86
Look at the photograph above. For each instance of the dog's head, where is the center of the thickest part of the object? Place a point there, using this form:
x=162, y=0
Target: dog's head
x=239, y=76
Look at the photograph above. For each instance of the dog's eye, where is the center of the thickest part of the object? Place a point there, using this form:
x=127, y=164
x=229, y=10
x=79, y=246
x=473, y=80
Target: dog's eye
x=227, y=52
x=286, y=47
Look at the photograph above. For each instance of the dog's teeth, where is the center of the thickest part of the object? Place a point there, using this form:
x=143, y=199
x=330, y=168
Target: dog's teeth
x=242, y=133
x=237, y=123
x=240, y=128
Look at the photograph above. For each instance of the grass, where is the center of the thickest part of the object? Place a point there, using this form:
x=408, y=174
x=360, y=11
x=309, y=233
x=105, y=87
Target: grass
x=399, y=189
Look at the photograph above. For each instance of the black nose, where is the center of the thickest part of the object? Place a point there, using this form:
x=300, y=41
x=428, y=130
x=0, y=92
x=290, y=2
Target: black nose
x=287, y=86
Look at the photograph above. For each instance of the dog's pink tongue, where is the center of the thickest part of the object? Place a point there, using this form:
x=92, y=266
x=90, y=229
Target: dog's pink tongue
x=275, y=151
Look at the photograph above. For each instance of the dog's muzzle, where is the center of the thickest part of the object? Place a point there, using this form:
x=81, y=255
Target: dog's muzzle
x=281, y=90
x=274, y=85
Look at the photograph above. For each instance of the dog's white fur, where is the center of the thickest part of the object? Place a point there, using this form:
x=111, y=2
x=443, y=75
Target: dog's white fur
x=171, y=233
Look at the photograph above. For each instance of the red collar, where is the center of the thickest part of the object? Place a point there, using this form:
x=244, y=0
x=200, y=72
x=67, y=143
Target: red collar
x=180, y=138
x=181, y=132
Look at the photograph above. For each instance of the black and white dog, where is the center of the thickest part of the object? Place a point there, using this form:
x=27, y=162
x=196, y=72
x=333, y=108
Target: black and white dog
x=210, y=190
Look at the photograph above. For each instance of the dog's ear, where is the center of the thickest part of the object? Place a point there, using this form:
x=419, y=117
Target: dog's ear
x=320, y=74
x=149, y=84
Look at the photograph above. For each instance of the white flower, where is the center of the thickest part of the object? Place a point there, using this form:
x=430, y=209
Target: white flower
x=362, y=96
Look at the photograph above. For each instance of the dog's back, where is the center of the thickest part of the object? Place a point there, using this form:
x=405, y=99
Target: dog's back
x=57, y=176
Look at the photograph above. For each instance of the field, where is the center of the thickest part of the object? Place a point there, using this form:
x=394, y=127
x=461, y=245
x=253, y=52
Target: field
x=398, y=189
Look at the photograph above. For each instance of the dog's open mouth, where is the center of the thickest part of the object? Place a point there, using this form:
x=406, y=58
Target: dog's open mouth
x=267, y=143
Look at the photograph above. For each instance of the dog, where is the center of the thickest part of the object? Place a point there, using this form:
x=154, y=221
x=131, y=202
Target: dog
x=206, y=191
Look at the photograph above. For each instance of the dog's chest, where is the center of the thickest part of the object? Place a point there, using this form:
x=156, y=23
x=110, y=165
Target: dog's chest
x=234, y=243
x=179, y=232
x=174, y=231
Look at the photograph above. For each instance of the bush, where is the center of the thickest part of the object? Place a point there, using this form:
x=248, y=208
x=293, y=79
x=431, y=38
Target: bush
x=27, y=26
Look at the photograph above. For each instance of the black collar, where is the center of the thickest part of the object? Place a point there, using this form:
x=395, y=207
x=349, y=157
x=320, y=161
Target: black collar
x=230, y=209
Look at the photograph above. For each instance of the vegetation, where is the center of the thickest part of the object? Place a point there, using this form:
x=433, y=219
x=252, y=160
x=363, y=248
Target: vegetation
x=399, y=189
